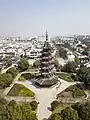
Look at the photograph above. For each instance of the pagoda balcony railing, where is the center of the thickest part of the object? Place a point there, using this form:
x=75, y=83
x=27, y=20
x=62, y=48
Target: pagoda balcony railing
x=46, y=70
x=46, y=51
x=45, y=65
x=48, y=76
x=45, y=54
x=48, y=67
x=47, y=57
x=46, y=62
x=46, y=73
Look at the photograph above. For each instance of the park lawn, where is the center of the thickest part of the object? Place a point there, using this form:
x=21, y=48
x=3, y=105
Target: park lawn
x=74, y=91
x=66, y=76
x=20, y=90
x=60, y=107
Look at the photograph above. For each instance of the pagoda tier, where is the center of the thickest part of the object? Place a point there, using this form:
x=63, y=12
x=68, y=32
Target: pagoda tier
x=45, y=63
x=45, y=69
x=45, y=54
x=47, y=77
x=46, y=82
x=46, y=60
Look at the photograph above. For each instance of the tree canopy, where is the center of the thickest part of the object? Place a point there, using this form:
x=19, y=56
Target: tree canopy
x=9, y=62
x=12, y=71
x=54, y=116
x=14, y=111
x=36, y=64
x=83, y=75
x=23, y=64
x=57, y=65
x=54, y=104
x=69, y=114
x=5, y=80
x=83, y=110
x=69, y=67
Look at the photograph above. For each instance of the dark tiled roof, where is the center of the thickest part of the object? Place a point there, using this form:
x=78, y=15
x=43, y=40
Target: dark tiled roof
x=46, y=81
x=47, y=77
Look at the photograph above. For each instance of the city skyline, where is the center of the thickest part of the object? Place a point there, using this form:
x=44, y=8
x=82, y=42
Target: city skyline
x=31, y=17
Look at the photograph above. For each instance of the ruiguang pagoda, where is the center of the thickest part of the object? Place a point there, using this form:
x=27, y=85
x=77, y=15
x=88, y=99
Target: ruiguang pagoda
x=47, y=77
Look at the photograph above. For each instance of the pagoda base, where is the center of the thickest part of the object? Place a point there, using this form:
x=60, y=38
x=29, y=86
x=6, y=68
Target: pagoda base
x=46, y=82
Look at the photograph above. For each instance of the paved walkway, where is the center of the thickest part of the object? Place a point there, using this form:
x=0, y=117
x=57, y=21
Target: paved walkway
x=45, y=96
x=20, y=99
x=16, y=79
x=4, y=70
x=85, y=90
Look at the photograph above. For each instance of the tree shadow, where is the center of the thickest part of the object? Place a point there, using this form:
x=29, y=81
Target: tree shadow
x=44, y=119
x=85, y=87
x=34, y=84
x=49, y=108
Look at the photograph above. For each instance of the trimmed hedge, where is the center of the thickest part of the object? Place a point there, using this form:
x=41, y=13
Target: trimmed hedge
x=54, y=104
x=34, y=105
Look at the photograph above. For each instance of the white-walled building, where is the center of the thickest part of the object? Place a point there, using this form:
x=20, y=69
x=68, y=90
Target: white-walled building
x=70, y=56
x=32, y=52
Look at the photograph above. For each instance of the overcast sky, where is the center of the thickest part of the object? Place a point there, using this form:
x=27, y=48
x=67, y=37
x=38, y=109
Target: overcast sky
x=33, y=17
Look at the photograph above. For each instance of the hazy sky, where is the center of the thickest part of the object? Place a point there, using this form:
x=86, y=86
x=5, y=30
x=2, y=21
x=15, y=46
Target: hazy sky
x=33, y=17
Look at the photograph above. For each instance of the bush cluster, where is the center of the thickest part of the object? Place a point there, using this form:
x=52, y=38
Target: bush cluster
x=76, y=90
x=14, y=111
x=54, y=104
x=77, y=111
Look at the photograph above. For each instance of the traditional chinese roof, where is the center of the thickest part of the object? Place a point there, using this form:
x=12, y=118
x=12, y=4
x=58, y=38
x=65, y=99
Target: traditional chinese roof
x=47, y=77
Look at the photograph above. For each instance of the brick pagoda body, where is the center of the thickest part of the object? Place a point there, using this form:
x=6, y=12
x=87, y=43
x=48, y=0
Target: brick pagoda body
x=47, y=77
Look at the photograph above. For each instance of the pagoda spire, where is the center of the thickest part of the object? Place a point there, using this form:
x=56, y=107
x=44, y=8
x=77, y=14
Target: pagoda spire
x=46, y=36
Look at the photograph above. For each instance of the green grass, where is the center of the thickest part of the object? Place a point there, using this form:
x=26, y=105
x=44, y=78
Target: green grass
x=66, y=76
x=20, y=90
x=60, y=107
x=76, y=90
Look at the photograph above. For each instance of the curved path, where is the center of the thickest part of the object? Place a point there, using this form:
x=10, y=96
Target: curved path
x=15, y=79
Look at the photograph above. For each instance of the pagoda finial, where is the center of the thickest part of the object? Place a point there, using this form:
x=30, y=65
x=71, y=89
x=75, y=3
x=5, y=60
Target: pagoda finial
x=46, y=36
